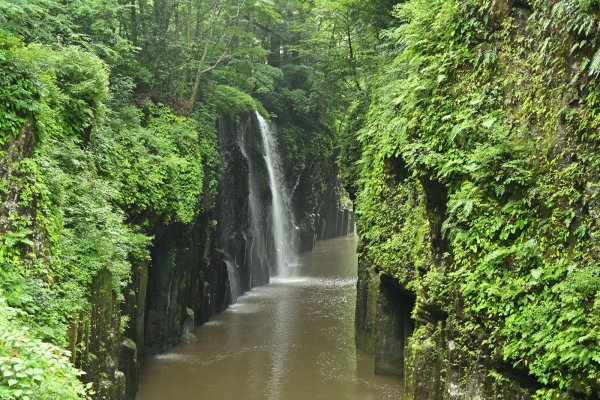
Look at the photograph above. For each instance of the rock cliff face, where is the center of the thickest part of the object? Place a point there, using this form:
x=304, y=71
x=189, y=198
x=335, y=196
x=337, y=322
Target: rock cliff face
x=416, y=343
x=486, y=267
x=326, y=216
x=316, y=199
x=93, y=338
x=184, y=283
x=415, y=339
x=100, y=356
x=187, y=279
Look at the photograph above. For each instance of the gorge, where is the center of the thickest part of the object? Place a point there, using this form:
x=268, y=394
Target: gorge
x=267, y=245
x=281, y=199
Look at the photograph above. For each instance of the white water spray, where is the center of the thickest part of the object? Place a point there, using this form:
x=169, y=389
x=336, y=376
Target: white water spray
x=283, y=217
x=233, y=280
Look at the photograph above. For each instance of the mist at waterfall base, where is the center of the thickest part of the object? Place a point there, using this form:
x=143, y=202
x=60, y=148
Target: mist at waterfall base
x=290, y=340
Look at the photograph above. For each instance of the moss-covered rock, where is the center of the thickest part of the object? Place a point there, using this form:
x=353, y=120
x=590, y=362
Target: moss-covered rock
x=479, y=149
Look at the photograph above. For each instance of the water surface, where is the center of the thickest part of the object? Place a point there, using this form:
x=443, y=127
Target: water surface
x=290, y=340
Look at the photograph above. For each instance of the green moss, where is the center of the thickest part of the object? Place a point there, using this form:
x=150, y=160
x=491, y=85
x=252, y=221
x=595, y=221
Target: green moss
x=371, y=322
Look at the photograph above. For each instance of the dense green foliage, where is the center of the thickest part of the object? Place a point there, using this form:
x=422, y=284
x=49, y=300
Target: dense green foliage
x=108, y=130
x=479, y=186
x=80, y=163
x=31, y=369
x=85, y=176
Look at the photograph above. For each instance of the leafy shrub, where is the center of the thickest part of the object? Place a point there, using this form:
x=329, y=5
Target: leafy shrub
x=31, y=369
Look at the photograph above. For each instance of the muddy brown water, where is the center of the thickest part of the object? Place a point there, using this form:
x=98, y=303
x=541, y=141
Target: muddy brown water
x=290, y=340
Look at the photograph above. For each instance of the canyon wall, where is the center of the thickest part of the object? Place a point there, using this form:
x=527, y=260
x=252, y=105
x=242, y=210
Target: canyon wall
x=476, y=199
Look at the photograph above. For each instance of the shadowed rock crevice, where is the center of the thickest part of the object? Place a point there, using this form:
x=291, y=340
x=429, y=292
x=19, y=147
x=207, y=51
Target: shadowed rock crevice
x=436, y=206
x=394, y=327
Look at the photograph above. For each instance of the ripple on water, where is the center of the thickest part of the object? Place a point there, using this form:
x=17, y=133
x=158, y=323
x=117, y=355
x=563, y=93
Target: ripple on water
x=172, y=357
x=296, y=344
x=245, y=308
x=289, y=281
x=309, y=281
x=212, y=323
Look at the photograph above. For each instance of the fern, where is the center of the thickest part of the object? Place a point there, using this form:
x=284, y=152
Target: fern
x=595, y=64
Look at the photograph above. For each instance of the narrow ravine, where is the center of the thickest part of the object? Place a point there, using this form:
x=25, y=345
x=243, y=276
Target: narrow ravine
x=300, y=199
x=292, y=339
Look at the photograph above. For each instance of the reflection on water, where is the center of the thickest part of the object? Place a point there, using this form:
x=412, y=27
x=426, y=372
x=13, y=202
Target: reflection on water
x=290, y=340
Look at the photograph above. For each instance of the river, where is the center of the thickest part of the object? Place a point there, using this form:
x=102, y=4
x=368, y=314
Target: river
x=290, y=340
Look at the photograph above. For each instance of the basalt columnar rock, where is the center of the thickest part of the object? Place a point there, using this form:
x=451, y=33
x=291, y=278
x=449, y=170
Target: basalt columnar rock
x=416, y=342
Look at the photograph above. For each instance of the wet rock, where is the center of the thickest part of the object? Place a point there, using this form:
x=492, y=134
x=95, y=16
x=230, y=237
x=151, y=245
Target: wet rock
x=187, y=280
x=97, y=340
x=424, y=351
x=394, y=327
x=119, y=386
x=129, y=366
x=424, y=361
x=187, y=332
x=366, y=309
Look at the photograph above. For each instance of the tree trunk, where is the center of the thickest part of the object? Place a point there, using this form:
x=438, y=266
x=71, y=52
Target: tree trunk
x=351, y=55
x=134, y=29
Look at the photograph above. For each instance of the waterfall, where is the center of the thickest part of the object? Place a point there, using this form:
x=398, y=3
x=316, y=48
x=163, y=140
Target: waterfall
x=282, y=215
x=258, y=252
x=234, y=285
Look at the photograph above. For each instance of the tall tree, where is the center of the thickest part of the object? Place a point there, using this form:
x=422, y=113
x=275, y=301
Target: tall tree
x=216, y=35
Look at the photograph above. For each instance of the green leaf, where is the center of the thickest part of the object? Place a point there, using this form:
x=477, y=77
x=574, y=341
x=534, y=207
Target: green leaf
x=488, y=123
x=595, y=64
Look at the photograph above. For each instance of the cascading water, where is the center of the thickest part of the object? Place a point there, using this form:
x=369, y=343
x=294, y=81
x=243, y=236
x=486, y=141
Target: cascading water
x=282, y=215
x=233, y=280
x=258, y=253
